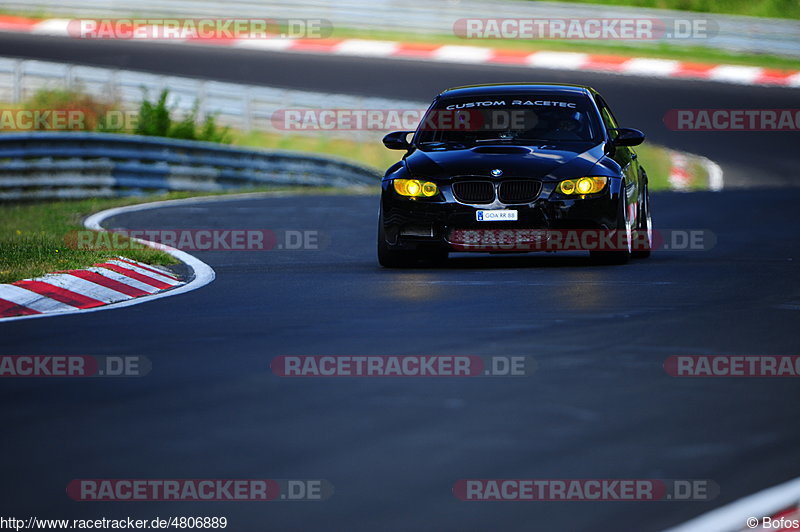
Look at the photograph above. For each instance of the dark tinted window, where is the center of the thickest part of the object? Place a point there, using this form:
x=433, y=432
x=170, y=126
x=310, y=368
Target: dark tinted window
x=605, y=112
x=521, y=119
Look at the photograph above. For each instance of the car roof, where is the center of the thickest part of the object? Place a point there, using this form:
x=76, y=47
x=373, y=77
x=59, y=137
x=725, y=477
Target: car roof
x=514, y=88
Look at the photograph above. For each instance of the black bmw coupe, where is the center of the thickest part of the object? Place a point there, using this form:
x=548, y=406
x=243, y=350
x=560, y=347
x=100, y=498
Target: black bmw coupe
x=515, y=168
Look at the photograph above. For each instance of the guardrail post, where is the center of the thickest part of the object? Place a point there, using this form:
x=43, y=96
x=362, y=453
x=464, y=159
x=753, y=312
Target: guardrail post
x=113, y=82
x=247, y=119
x=201, y=101
x=16, y=90
x=70, y=77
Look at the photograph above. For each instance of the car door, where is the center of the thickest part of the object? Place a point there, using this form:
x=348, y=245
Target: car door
x=627, y=158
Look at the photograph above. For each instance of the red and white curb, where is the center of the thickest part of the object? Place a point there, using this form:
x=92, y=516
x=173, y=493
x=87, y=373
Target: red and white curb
x=634, y=66
x=116, y=283
x=681, y=177
x=116, y=280
x=765, y=510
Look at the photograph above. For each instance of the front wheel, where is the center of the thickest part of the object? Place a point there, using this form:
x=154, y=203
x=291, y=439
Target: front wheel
x=618, y=256
x=393, y=258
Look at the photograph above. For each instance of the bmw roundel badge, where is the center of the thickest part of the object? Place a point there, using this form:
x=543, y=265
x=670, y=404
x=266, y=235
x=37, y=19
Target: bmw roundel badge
x=496, y=172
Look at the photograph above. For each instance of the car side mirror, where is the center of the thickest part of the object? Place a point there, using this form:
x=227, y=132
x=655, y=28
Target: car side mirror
x=627, y=137
x=397, y=140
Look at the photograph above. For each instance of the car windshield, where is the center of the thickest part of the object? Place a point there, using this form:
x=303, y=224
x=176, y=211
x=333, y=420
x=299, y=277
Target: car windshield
x=540, y=118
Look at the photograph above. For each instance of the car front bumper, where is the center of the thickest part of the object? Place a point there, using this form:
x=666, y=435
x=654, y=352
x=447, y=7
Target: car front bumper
x=443, y=223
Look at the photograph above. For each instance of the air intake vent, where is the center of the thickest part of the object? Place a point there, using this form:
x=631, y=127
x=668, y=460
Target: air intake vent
x=474, y=191
x=521, y=191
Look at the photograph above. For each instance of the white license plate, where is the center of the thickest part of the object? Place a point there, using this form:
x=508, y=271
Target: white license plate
x=496, y=216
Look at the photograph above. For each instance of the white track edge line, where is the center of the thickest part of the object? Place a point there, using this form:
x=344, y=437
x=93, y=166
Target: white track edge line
x=732, y=517
x=715, y=181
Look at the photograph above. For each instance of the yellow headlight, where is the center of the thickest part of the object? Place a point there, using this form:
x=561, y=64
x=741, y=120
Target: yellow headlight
x=401, y=186
x=582, y=186
x=567, y=187
x=414, y=188
x=429, y=189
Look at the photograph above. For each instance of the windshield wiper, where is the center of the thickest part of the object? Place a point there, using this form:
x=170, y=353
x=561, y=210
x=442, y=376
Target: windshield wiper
x=442, y=143
x=515, y=139
x=498, y=139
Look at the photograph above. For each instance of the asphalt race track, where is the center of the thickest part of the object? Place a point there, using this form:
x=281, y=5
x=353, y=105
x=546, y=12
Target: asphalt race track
x=600, y=404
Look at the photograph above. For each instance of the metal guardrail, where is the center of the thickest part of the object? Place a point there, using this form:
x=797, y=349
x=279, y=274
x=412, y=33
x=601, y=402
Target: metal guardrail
x=81, y=165
x=736, y=33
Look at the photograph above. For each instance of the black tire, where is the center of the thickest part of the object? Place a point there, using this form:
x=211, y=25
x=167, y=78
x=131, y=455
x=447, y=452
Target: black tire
x=617, y=256
x=393, y=258
x=645, y=232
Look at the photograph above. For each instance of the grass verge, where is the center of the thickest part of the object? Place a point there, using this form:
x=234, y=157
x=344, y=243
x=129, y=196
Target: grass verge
x=657, y=162
x=759, y=8
x=369, y=153
x=34, y=239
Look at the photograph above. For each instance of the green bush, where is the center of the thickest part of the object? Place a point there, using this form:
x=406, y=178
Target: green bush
x=155, y=119
x=93, y=110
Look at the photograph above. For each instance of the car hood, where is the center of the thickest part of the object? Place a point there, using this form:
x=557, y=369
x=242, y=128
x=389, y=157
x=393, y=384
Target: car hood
x=540, y=162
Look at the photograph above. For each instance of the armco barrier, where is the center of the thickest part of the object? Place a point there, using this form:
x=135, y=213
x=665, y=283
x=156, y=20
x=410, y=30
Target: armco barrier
x=79, y=165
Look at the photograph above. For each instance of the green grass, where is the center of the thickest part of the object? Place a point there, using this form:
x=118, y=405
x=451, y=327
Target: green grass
x=695, y=54
x=372, y=154
x=656, y=161
x=34, y=239
x=752, y=8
